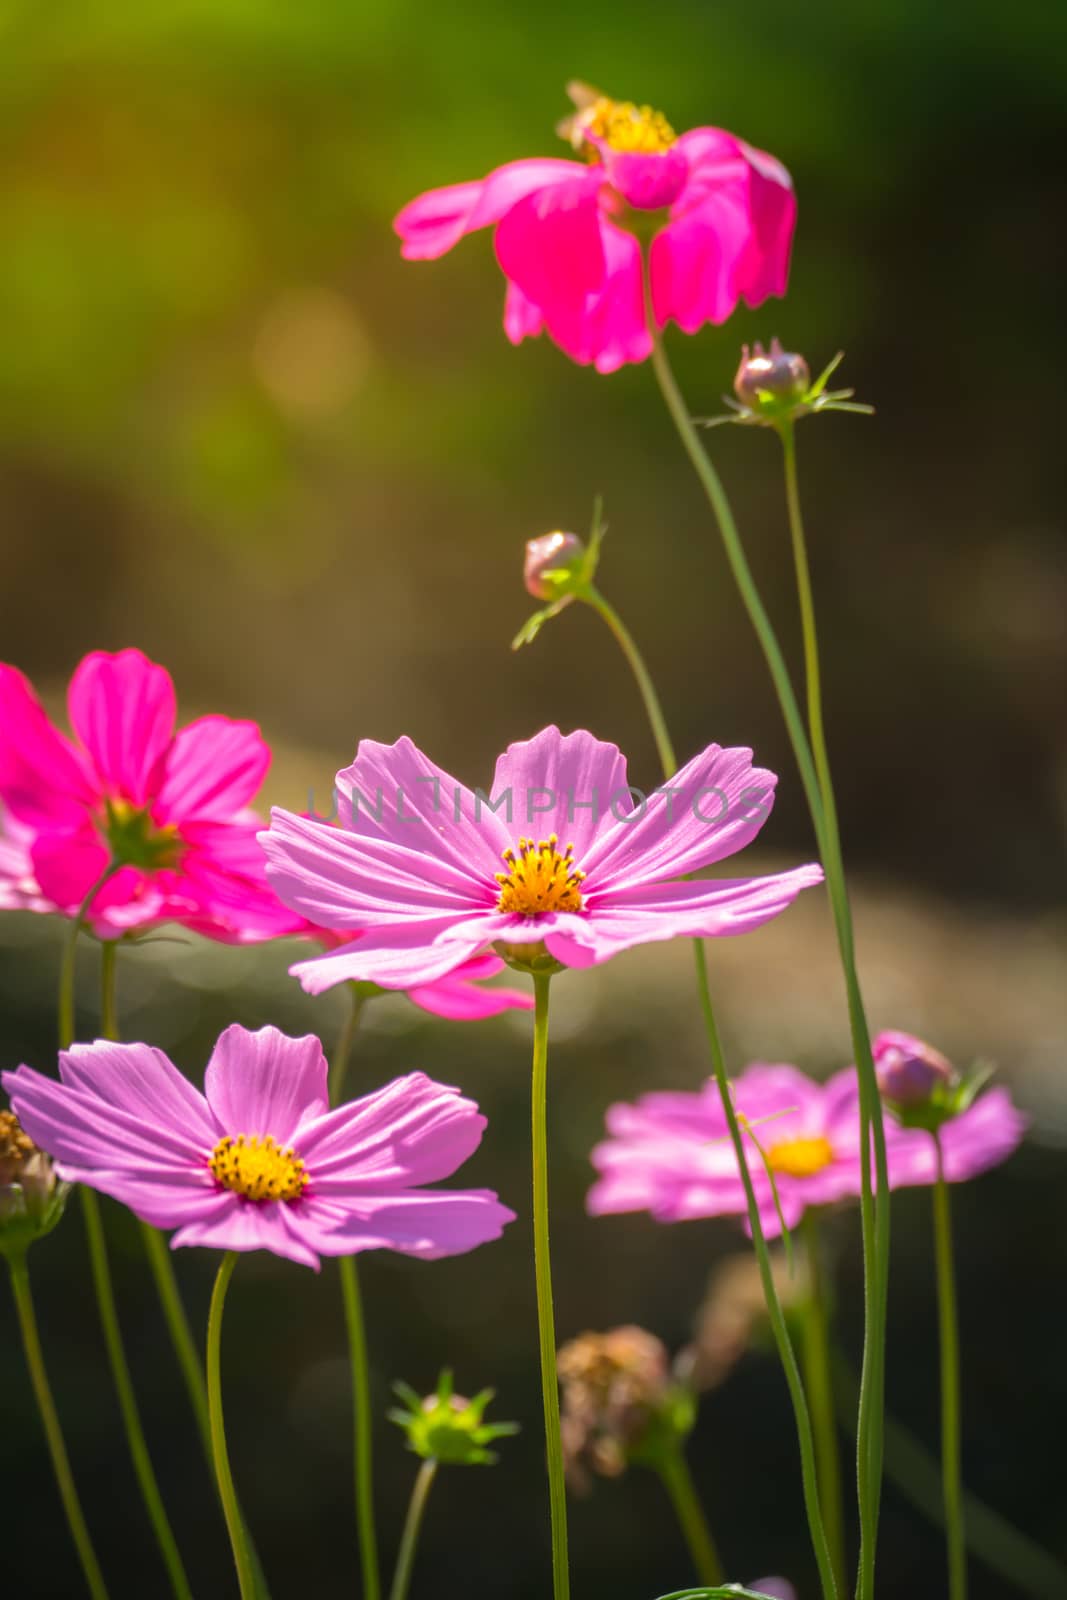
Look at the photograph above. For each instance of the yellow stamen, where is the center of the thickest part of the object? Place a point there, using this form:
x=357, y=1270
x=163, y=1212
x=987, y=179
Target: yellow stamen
x=539, y=879
x=258, y=1168
x=626, y=127
x=800, y=1158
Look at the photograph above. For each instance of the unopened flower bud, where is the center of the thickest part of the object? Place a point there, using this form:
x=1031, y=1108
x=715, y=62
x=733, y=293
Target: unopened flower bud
x=910, y=1072
x=560, y=553
x=447, y=1428
x=774, y=379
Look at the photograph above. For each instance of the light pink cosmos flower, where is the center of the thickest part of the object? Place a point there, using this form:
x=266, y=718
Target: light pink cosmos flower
x=671, y=1154
x=719, y=213
x=258, y=1162
x=19, y=889
x=426, y=874
x=172, y=806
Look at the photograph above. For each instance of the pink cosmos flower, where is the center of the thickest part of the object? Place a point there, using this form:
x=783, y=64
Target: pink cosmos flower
x=258, y=1162
x=19, y=890
x=671, y=1154
x=719, y=213
x=171, y=806
x=426, y=874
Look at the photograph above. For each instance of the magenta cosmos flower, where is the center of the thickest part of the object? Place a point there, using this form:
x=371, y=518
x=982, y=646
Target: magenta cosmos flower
x=671, y=1155
x=426, y=874
x=258, y=1162
x=720, y=216
x=170, y=806
x=982, y=1134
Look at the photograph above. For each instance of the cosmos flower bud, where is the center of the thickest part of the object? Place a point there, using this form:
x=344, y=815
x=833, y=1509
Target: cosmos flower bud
x=910, y=1072
x=620, y=1402
x=771, y=380
x=446, y=1428
x=31, y=1200
x=550, y=561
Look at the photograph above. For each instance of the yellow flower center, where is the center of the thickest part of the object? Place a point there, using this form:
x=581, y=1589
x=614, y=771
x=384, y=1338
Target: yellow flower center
x=258, y=1168
x=800, y=1158
x=625, y=127
x=539, y=879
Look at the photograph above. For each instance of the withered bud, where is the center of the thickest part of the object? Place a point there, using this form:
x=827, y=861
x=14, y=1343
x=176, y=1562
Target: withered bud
x=779, y=374
x=30, y=1200
x=615, y=1387
x=560, y=553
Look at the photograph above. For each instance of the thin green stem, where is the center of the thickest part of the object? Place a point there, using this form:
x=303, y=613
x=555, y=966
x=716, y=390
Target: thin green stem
x=875, y=1220
x=227, y=1493
x=109, y=1016
x=362, y=1432
x=673, y=1468
x=653, y=709
x=546, y=1323
x=405, y=1559
x=948, y=1319
x=131, y=1418
x=819, y=1386
x=31, y=1343
x=361, y=1425
x=787, y=1356
x=875, y=1208
x=181, y=1334
x=68, y=965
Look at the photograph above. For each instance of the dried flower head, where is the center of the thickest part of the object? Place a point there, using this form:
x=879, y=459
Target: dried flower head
x=31, y=1200
x=620, y=1402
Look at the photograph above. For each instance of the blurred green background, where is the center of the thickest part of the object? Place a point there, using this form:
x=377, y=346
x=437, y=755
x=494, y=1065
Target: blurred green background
x=236, y=430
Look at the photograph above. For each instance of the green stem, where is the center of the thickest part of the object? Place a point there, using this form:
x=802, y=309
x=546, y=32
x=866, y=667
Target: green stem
x=181, y=1334
x=875, y=1219
x=405, y=1559
x=227, y=1493
x=948, y=1319
x=666, y=750
x=546, y=1323
x=131, y=1418
x=678, y=1482
x=819, y=1387
x=362, y=1433
x=20, y=1286
x=67, y=968
x=875, y=1210
x=653, y=709
x=787, y=1356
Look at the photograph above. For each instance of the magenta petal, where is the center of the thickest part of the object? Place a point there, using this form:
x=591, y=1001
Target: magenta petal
x=522, y=319
x=44, y=781
x=265, y=1082
x=122, y=709
x=459, y=1000
x=142, y=1080
x=549, y=244
x=773, y=210
x=428, y=1223
x=237, y=1224
x=562, y=784
x=66, y=865
x=396, y=958
x=412, y=1131
x=214, y=768
x=697, y=261
x=433, y=223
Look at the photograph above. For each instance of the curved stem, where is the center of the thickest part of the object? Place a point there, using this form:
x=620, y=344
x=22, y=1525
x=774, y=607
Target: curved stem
x=405, y=1559
x=948, y=1320
x=227, y=1493
x=362, y=1434
x=67, y=968
x=546, y=1323
x=343, y=1049
x=653, y=709
x=20, y=1286
x=678, y=1482
x=819, y=1386
x=809, y=1475
x=131, y=1418
x=875, y=1218
x=181, y=1334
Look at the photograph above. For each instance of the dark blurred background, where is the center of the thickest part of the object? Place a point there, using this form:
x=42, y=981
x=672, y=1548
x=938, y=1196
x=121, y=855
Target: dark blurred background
x=236, y=430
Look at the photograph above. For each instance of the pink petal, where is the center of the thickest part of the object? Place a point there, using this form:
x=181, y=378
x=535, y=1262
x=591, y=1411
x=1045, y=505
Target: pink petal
x=66, y=865
x=214, y=768
x=122, y=709
x=397, y=958
x=44, y=781
x=413, y=1131
x=714, y=806
x=237, y=1224
x=522, y=319
x=697, y=261
x=549, y=243
x=459, y=1000
x=143, y=1081
x=773, y=210
x=432, y=223
x=562, y=784
x=265, y=1082
x=429, y=1223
